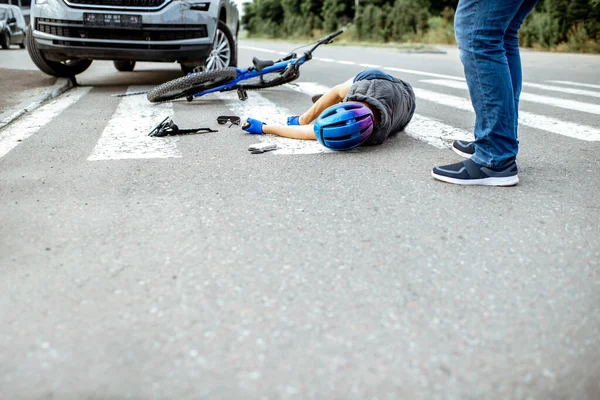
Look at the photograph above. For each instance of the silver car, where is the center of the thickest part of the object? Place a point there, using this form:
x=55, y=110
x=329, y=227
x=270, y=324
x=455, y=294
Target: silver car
x=12, y=26
x=66, y=35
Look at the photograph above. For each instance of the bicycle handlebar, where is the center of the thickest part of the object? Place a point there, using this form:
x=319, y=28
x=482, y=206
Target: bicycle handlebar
x=333, y=35
x=325, y=40
x=306, y=56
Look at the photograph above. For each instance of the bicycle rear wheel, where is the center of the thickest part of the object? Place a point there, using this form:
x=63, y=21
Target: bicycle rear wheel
x=190, y=84
x=268, y=80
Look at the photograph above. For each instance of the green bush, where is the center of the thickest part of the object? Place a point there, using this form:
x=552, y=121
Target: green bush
x=540, y=29
x=578, y=41
x=441, y=31
x=408, y=18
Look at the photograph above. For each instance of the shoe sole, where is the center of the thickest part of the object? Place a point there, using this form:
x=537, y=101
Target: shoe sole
x=504, y=181
x=461, y=153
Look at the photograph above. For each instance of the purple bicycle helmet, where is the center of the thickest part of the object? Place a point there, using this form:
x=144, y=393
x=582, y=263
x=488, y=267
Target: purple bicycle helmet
x=344, y=126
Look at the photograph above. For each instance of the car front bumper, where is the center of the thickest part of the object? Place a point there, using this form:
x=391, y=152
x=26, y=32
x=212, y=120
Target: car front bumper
x=171, y=32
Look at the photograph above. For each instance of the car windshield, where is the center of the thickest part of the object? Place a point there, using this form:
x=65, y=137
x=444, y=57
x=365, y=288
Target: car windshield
x=2, y=14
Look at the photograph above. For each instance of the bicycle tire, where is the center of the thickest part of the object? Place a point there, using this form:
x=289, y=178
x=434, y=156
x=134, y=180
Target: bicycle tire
x=190, y=84
x=268, y=80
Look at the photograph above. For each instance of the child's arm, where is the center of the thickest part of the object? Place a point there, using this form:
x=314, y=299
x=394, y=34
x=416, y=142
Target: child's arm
x=333, y=96
x=302, y=132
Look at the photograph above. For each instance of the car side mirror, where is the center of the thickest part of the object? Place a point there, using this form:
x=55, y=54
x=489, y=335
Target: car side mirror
x=11, y=21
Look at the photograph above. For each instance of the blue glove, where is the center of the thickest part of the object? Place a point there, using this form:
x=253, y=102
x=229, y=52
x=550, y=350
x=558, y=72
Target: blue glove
x=253, y=126
x=295, y=120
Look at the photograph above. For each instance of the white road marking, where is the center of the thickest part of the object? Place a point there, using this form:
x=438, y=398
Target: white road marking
x=428, y=130
x=435, y=133
x=370, y=65
x=324, y=59
x=551, y=101
x=309, y=88
x=14, y=134
x=549, y=124
x=258, y=49
x=266, y=111
x=551, y=88
x=126, y=133
x=347, y=62
x=410, y=71
x=588, y=85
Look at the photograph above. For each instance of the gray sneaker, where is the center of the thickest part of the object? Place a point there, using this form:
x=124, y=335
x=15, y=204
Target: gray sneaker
x=470, y=173
x=463, y=148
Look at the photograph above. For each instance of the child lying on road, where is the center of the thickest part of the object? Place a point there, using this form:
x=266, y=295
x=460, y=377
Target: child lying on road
x=364, y=110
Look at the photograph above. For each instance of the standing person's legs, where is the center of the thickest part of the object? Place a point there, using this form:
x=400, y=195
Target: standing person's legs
x=511, y=45
x=480, y=27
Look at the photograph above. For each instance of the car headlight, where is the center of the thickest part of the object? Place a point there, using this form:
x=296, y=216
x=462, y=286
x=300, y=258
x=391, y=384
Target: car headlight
x=199, y=5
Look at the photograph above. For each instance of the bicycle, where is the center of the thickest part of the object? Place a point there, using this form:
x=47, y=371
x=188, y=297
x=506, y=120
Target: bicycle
x=262, y=74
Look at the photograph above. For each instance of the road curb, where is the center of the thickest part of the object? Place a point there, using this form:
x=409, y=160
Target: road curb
x=61, y=86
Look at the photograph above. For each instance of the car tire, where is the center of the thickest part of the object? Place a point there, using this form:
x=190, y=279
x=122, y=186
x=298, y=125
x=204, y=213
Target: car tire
x=124, y=66
x=63, y=69
x=5, y=40
x=224, y=52
x=187, y=69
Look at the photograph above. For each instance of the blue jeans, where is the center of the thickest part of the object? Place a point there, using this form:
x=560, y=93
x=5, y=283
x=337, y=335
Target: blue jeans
x=487, y=36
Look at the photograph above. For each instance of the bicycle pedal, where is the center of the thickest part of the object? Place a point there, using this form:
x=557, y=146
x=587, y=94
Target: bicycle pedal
x=242, y=94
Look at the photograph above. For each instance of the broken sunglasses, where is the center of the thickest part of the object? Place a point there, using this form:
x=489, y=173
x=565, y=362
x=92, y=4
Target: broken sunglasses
x=224, y=119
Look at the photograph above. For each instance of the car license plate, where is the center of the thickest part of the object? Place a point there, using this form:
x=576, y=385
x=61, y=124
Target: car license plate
x=98, y=20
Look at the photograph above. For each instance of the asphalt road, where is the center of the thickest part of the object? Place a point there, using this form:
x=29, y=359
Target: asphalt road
x=210, y=273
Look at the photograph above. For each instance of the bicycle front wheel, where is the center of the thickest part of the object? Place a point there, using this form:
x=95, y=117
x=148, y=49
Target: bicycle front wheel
x=268, y=80
x=191, y=84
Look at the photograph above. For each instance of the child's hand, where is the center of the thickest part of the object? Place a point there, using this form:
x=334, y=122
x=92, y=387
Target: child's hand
x=295, y=120
x=253, y=126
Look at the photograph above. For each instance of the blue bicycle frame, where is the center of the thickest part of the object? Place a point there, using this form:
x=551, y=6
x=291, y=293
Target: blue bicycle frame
x=279, y=66
x=249, y=73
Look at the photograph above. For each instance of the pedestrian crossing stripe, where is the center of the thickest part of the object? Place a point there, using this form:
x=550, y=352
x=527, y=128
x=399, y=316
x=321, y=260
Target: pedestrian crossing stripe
x=549, y=124
x=587, y=85
x=550, y=101
x=126, y=133
x=15, y=133
x=579, y=92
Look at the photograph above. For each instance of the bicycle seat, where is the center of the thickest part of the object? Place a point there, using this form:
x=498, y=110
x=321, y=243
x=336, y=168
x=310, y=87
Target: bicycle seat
x=261, y=64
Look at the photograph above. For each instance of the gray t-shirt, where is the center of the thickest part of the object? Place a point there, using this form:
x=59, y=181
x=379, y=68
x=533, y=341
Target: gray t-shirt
x=395, y=101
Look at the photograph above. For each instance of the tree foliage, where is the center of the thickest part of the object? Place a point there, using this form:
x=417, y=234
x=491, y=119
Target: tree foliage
x=574, y=22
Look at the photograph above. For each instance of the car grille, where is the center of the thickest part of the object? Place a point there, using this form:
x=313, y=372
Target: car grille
x=120, y=3
x=154, y=33
x=117, y=45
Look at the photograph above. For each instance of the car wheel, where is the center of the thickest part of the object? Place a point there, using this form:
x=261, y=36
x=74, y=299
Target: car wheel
x=223, y=53
x=124, y=66
x=62, y=69
x=5, y=40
